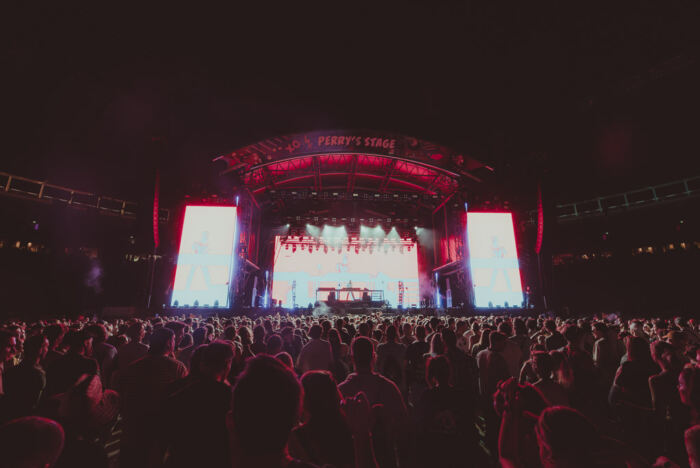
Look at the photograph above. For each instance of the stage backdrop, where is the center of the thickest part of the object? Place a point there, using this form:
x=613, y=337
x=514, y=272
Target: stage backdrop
x=299, y=273
x=206, y=257
x=493, y=260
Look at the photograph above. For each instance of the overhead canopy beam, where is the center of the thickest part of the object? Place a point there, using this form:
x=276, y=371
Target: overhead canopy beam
x=387, y=178
x=317, y=173
x=353, y=174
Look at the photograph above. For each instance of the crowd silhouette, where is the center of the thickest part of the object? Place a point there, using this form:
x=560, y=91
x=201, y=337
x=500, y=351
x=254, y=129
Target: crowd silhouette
x=366, y=390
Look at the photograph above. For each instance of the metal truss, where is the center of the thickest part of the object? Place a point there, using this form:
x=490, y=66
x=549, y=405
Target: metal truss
x=643, y=197
x=23, y=187
x=350, y=173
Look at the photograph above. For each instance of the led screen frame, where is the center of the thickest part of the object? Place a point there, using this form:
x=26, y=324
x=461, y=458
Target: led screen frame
x=206, y=257
x=493, y=260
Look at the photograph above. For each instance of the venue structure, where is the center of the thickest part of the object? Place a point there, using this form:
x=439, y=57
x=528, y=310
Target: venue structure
x=347, y=219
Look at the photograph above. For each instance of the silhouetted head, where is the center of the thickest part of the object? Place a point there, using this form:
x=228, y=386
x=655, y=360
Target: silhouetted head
x=30, y=442
x=566, y=438
x=497, y=341
x=264, y=408
x=321, y=396
x=363, y=353
x=438, y=371
x=315, y=332
x=162, y=342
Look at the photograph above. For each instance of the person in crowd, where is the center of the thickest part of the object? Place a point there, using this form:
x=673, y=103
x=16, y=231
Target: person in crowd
x=554, y=339
x=521, y=338
x=512, y=353
x=407, y=334
x=552, y=391
x=391, y=356
x=580, y=365
x=54, y=333
x=444, y=418
x=194, y=418
x=143, y=386
x=179, y=329
x=339, y=367
x=689, y=392
x=692, y=446
x=8, y=350
x=462, y=339
x=274, y=344
x=342, y=331
x=265, y=407
x=483, y=342
x=567, y=439
x=492, y=366
x=246, y=342
x=605, y=355
x=492, y=370
x=324, y=437
x=25, y=382
x=316, y=354
x=131, y=351
x=103, y=352
x=65, y=371
x=517, y=407
x=30, y=442
x=437, y=346
x=379, y=391
x=258, y=346
x=285, y=359
x=415, y=365
x=462, y=366
x=630, y=396
x=671, y=417
x=474, y=336
x=291, y=343
x=199, y=338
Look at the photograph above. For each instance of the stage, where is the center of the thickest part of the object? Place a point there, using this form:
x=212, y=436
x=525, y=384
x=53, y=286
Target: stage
x=349, y=221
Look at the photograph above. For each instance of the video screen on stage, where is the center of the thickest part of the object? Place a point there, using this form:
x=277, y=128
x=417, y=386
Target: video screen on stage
x=206, y=256
x=301, y=277
x=493, y=260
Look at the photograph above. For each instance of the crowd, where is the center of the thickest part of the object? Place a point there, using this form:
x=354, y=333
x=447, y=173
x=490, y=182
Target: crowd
x=352, y=391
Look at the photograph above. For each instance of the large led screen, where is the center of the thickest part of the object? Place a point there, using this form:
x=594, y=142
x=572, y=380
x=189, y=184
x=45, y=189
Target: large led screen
x=206, y=256
x=298, y=274
x=493, y=260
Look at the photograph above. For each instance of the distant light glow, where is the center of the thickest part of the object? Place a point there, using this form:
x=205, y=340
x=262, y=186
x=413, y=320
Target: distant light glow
x=493, y=260
x=206, y=256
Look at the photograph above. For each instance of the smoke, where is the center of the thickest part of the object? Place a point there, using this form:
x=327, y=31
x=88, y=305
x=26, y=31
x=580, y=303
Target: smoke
x=321, y=309
x=426, y=285
x=93, y=277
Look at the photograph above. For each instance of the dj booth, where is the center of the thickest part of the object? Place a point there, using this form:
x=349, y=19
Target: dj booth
x=349, y=295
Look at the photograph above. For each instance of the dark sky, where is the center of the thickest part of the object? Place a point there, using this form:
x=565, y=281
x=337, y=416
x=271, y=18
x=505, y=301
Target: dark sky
x=605, y=95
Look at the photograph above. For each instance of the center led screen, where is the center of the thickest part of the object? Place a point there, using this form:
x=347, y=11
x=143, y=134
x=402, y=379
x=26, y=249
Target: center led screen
x=206, y=256
x=493, y=260
x=298, y=274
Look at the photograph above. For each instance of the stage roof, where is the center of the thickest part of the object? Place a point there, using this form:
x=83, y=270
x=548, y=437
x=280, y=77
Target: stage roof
x=352, y=161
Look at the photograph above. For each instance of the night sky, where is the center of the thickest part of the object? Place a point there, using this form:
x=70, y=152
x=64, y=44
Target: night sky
x=604, y=97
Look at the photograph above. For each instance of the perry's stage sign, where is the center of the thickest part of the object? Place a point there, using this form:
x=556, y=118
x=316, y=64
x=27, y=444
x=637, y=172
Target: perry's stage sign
x=349, y=141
